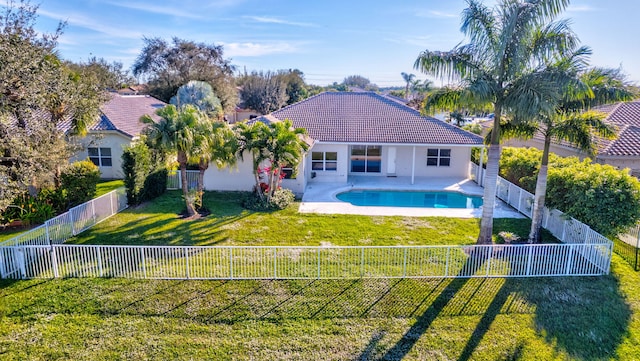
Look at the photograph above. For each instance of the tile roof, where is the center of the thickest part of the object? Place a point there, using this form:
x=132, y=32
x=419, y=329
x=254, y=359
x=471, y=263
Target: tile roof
x=367, y=117
x=626, y=117
x=122, y=113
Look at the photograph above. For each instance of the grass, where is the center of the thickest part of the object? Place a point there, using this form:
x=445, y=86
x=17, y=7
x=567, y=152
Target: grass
x=158, y=223
x=105, y=187
x=463, y=319
x=577, y=318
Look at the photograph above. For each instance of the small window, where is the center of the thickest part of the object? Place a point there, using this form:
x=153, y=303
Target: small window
x=100, y=156
x=438, y=157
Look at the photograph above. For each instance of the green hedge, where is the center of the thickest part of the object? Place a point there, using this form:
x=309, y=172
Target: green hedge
x=79, y=181
x=605, y=198
x=142, y=180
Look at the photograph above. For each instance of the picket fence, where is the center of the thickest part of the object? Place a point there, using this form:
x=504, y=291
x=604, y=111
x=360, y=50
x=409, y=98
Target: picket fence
x=584, y=252
x=77, y=219
x=174, y=181
x=149, y=262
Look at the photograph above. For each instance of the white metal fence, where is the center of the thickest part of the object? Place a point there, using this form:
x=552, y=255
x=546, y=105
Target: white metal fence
x=174, y=181
x=171, y=262
x=77, y=219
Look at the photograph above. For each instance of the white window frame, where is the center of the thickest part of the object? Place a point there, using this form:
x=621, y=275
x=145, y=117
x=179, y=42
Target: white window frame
x=100, y=157
x=324, y=161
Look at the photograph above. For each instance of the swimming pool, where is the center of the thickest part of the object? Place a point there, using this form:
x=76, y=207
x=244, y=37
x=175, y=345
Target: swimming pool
x=383, y=198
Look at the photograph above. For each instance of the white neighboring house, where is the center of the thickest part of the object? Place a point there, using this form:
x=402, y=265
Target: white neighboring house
x=118, y=126
x=362, y=134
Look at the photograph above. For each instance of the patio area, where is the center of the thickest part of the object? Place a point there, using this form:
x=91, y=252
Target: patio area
x=321, y=197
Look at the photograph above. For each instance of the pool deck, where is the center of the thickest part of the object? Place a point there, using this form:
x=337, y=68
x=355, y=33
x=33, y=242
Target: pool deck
x=321, y=198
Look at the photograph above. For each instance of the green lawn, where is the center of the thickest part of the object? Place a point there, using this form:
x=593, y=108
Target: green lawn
x=577, y=318
x=159, y=223
x=107, y=186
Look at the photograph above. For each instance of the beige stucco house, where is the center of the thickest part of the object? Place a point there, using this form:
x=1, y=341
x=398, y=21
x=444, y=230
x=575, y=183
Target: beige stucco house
x=621, y=152
x=119, y=124
x=362, y=134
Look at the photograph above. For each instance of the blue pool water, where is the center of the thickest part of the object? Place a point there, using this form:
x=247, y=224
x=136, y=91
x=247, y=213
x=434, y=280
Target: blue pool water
x=410, y=199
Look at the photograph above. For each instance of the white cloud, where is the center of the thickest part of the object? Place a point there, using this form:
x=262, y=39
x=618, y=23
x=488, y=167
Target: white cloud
x=157, y=9
x=436, y=14
x=257, y=49
x=272, y=20
x=92, y=24
x=580, y=8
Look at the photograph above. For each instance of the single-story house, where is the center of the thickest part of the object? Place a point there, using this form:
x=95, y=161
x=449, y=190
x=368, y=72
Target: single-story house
x=119, y=124
x=362, y=134
x=621, y=152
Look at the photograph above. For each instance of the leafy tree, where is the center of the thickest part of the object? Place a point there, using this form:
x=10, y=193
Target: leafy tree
x=37, y=92
x=252, y=139
x=500, y=67
x=263, y=92
x=110, y=76
x=356, y=81
x=175, y=134
x=80, y=180
x=199, y=94
x=136, y=166
x=296, y=88
x=171, y=65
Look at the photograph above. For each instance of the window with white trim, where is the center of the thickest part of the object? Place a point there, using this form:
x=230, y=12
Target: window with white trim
x=438, y=157
x=100, y=156
x=324, y=161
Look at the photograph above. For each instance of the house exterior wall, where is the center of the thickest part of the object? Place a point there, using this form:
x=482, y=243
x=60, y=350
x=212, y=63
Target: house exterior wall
x=459, y=162
x=115, y=141
x=238, y=178
x=340, y=175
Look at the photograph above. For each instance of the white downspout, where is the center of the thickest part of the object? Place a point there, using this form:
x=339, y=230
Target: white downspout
x=413, y=165
x=480, y=175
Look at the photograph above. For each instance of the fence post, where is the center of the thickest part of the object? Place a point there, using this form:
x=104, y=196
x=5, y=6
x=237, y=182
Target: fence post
x=230, y=263
x=508, y=193
x=99, y=257
x=489, y=252
x=186, y=259
x=569, y=260
x=529, y=259
x=143, y=262
x=93, y=211
x=275, y=263
x=404, y=266
x=318, y=262
x=446, y=266
x=3, y=253
x=179, y=179
x=54, y=261
x=361, y=262
x=46, y=230
x=20, y=259
x=73, y=226
x=520, y=201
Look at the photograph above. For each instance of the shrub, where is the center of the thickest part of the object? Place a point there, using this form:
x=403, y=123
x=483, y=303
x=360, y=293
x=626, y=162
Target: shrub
x=155, y=184
x=282, y=198
x=79, y=180
x=136, y=165
x=29, y=210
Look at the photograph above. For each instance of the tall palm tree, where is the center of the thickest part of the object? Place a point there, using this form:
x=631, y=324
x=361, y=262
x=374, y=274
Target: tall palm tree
x=175, y=134
x=408, y=78
x=501, y=66
x=572, y=122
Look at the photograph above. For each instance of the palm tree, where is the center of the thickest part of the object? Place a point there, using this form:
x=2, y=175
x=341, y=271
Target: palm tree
x=408, y=78
x=572, y=122
x=252, y=138
x=501, y=66
x=175, y=134
x=284, y=148
x=215, y=142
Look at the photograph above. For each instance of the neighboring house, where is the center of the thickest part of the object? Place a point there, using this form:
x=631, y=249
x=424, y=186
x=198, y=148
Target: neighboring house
x=118, y=126
x=621, y=152
x=362, y=134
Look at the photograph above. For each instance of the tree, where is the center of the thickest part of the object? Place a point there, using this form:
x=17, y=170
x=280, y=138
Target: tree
x=199, y=94
x=571, y=122
x=37, y=92
x=252, y=139
x=263, y=92
x=110, y=76
x=170, y=65
x=356, y=81
x=408, y=78
x=500, y=67
x=175, y=134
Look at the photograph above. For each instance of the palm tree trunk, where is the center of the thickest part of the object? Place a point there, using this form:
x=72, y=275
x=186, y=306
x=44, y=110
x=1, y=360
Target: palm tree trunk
x=257, y=176
x=203, y=165
x=491, y=181
x=182, y=160
x=539, y=197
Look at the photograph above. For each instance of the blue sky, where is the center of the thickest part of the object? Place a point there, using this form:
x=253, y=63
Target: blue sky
x=328, y=40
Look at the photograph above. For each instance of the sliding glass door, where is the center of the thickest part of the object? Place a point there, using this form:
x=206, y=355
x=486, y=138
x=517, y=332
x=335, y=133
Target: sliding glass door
x=366, y=158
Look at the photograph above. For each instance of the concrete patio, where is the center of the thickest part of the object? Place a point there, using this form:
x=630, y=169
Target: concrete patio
x=321, y=197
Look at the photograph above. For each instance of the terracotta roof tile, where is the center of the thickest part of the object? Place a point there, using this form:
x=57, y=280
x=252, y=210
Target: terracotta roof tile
x=366, y=117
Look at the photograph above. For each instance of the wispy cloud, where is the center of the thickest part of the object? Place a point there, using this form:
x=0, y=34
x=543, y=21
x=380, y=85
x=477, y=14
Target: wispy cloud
x=258, y=49
x=157, y=9
x=436, y=14
x=580, y=8
x=91, y=24
x=272, y=20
